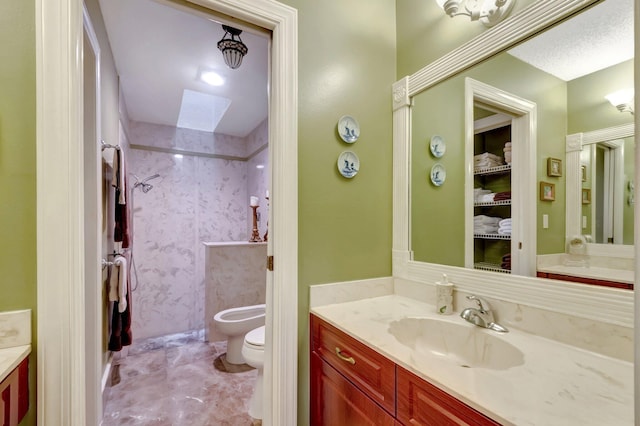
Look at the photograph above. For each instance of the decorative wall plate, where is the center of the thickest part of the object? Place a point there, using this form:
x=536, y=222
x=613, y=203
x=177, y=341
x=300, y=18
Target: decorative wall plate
x=437, y=145
x=348, y=164
x=438, y=174
x=348, y=128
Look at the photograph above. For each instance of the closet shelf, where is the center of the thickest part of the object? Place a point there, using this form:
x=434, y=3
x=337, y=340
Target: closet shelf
x=492, y=203
x=486, y=266
x=492, y=170
x=491, y=236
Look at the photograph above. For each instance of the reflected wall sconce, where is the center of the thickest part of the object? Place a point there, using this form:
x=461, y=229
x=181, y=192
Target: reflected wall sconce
x=232, y=47
x=489, y=12
x=622, y=99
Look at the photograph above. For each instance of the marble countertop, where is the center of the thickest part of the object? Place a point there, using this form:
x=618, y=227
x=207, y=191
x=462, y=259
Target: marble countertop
x=10, y=358
x=557, y=384
x=15, y=339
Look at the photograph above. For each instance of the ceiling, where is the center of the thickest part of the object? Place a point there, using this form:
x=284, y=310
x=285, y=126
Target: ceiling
x=591, y=41
x=159, y=52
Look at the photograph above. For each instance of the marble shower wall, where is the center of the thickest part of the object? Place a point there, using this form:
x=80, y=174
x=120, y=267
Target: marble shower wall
x=196, y=199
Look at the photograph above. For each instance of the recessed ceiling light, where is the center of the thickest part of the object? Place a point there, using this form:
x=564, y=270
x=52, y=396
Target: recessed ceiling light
x=260, y=166
x=211, y=77
x=177, y=155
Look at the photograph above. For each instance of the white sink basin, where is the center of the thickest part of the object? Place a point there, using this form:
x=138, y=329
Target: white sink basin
x=464, y=344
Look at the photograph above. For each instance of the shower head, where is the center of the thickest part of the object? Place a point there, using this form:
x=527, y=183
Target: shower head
x=146, y=187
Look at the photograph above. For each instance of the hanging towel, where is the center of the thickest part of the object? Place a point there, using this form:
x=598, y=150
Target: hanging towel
x=121, y=232
x=119, y=283
x=121, y=319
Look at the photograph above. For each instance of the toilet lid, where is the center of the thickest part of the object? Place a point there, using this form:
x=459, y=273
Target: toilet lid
x=255, y=337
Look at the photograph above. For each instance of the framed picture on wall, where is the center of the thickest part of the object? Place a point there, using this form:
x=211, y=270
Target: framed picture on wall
x=586, y=196
x=554, y=167
x=547, y=191
x=583, y=172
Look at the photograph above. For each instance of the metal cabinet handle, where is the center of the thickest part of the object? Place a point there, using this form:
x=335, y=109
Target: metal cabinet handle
x=348, y=359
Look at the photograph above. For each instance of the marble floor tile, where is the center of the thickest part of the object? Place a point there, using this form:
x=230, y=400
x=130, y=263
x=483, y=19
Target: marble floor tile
x=172, y=381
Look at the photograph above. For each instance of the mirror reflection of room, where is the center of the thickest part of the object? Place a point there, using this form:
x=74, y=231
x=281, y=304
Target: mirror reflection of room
x=567, y=72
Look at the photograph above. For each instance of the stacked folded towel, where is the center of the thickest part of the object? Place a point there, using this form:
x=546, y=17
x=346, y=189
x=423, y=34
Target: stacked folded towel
x=483, y=224
x=501, y=196
x=506, y=261
x=485, y=160
x=504, y=227
x=507, y=152
x=482, y=195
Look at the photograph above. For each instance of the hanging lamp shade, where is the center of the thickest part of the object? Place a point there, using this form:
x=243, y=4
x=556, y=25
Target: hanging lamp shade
x=232, y=47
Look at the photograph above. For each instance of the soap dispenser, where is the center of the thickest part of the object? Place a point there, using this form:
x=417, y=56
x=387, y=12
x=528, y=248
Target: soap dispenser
x=444, y=296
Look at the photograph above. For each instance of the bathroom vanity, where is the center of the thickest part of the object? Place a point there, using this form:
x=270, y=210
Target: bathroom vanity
x=353, y=384
x=390, y=360
x=15, y=347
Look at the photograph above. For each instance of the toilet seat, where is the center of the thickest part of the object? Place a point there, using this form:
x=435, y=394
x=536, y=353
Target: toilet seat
x=255, y=338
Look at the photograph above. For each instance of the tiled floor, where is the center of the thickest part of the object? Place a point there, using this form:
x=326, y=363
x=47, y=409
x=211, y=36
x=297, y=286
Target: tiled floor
x=171, y=381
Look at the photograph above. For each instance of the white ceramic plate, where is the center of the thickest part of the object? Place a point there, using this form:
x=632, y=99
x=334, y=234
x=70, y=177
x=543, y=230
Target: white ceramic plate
x=437, y=145
x=348, y=164
x=348, y=128
x=438, y=174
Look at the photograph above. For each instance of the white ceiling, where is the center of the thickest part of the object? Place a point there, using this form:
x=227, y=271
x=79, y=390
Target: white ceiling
x=591, y=41
x=159, y=51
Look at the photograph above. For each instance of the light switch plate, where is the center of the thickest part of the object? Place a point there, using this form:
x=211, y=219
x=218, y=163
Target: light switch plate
x=545, y=221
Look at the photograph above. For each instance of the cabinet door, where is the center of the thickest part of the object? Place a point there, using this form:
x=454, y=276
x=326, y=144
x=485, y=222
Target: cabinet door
x=421, y=403
x=336, y=401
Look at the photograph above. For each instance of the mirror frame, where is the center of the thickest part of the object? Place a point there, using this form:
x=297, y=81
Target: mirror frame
x=558, y=296
x=574, y=145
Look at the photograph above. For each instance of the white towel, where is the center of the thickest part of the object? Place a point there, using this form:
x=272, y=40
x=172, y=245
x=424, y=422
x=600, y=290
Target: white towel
x=118, y=283
x=486, y=220
x=502, y=231
x=484, y=229
x=485, y=198
x=505, y=222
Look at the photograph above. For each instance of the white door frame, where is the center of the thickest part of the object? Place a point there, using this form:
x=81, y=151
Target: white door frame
x=60, y=209
x=93, y=233
x=523, y=177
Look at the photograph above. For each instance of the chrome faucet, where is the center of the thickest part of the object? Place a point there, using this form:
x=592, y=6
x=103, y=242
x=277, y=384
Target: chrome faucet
x=482, y=315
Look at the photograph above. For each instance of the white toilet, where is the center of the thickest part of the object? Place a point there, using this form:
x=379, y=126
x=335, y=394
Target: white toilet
x=235, y=323
x=253, y=352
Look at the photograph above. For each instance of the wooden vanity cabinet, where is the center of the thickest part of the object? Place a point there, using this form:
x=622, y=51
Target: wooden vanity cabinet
x=421, y=403
x=14, y=395
x=352, y=384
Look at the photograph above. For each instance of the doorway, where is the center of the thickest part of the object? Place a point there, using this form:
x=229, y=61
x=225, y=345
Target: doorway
x=61, y=211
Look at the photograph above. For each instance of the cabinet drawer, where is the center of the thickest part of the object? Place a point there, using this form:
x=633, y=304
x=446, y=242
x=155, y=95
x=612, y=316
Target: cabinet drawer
x=371, y=372
x=421, y=403
x=336, y=401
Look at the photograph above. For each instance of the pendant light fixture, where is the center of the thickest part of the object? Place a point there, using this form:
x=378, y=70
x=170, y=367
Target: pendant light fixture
x=232, y=47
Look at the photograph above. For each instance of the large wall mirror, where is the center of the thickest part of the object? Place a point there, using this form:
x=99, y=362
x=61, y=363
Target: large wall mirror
x=431, y=107
x=566, y=71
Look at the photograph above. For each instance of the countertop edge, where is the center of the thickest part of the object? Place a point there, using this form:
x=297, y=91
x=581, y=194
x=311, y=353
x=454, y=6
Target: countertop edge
x=15, y=356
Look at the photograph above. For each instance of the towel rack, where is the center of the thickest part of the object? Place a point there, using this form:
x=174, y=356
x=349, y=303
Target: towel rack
x=106, y=263
x=106, y=145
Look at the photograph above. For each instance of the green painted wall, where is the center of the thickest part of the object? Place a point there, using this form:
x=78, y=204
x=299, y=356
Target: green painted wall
x=588, y=108
x=444, y=205
x=346, y=66
x=18, y=167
